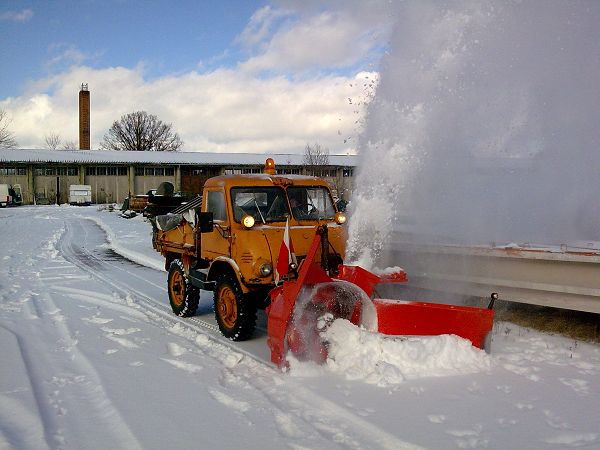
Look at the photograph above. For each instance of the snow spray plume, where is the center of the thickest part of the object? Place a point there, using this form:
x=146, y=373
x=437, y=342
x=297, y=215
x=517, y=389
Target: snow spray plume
x=483, y=127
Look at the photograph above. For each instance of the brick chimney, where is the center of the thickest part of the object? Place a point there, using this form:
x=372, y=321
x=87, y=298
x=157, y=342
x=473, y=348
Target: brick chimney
x=84, y=118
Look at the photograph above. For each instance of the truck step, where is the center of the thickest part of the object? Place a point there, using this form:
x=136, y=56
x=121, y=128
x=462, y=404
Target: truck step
x=198, y=278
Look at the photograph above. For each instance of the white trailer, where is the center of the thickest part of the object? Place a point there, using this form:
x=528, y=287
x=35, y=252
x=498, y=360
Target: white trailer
x=5, y=197
x=80, y=194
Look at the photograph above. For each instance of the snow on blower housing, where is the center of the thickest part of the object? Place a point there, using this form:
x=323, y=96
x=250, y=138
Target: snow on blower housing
x=278, y=242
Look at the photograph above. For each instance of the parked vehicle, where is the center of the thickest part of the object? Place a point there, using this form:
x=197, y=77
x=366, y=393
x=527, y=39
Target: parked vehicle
x=5, y=197
x=80, y=194
x=16, y=194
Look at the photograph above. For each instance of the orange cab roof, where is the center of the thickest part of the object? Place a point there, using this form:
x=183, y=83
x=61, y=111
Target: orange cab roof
x=262, y=179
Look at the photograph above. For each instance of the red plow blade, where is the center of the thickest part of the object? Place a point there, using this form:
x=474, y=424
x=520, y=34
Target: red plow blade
x=397, y=317
x=426, y=319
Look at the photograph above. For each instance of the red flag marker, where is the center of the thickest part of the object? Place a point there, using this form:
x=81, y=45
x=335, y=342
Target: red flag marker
x=286, y=254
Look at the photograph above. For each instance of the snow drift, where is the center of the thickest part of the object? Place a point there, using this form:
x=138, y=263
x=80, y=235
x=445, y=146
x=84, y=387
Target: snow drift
x=359, y=354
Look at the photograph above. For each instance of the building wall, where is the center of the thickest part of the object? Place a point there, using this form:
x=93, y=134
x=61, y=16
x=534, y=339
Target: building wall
x=339, y=178
x=113, y=183
x=50, y=186
x=11, y=174
x=51, y=182
x=193, y=178
x=108, y=188
x=150, y=177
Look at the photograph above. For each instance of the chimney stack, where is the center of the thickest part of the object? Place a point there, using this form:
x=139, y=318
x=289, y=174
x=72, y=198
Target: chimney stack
x=84, y=118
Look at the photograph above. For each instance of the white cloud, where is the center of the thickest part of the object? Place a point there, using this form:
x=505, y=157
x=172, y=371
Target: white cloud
x=238, y=109
x=64, y=55
x=224, y=110
x=260, y=26
x=299, y=37
x=17, y=16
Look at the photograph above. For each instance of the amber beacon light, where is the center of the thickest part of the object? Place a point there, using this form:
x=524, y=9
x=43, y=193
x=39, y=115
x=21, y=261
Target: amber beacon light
x=270, y=166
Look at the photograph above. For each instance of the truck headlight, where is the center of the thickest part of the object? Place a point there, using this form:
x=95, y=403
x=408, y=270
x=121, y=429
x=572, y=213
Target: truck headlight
x=340, y=218
x=266, y=269
x=248, y=221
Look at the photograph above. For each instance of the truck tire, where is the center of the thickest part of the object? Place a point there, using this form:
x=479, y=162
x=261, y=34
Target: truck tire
x=235, y=314
x=184, y=297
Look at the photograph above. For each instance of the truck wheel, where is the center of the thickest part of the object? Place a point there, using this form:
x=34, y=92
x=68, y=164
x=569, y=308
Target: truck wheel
x=235, y=314
x=183, y=296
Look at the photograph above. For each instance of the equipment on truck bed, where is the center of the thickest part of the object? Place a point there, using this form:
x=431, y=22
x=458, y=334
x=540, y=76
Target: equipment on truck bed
x=278, y=242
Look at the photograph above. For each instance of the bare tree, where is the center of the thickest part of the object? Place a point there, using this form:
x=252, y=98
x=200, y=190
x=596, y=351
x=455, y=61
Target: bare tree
x=69, y=145
x=140, y=131
x=7, y=139
x=315, y=157
x=52, y=141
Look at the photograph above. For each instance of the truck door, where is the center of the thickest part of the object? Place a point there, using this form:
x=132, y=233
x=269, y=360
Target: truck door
x=217, y=242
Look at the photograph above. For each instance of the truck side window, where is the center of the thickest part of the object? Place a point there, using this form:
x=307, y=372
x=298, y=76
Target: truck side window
x=215, y=203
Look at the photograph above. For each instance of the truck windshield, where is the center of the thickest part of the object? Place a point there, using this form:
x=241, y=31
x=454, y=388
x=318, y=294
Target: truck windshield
x=311, y=203
x=264, y=203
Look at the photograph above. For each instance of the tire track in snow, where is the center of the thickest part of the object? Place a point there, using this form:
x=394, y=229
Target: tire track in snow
x=56, y=383
x=97, y=267
x=41, y=427
x=62, y=384
x=297, y=411
x=76, y=382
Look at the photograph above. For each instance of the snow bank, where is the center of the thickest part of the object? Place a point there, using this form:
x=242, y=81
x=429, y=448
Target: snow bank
x=120, y=242
x=384, y=360
x=49, y=249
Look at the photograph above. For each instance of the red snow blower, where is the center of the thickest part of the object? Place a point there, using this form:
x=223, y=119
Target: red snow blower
x=322, y=291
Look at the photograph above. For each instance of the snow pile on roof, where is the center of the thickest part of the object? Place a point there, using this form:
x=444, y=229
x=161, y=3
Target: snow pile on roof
x=134, y=157
x=385, y=360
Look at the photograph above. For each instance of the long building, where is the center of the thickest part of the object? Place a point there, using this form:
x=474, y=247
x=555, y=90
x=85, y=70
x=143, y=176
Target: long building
x=45, y=175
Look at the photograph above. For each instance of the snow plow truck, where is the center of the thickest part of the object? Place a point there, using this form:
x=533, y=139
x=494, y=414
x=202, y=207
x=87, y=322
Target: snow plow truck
x=277, y=242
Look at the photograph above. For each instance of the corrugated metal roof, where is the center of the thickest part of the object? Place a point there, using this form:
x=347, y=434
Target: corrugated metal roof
x=179, y=158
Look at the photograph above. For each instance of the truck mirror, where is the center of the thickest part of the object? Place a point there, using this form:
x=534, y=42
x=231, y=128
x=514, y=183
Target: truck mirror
x=205, y=222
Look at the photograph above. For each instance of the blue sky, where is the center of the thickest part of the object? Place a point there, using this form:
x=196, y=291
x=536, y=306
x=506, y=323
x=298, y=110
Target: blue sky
x=284, y=71
x=167, y=37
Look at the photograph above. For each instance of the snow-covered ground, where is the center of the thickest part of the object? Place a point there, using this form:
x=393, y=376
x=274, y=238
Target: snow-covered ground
x=91, y=357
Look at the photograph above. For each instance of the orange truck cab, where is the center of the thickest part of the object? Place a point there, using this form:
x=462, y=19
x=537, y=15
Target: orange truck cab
x=229, y=241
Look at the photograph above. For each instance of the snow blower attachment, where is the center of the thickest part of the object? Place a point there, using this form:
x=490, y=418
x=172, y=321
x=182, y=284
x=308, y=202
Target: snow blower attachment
x=303, y=307
x=224, y=241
